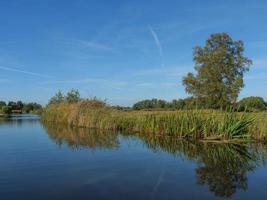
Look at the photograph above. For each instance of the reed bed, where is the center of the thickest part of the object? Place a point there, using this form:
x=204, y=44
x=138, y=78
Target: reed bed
x=195, y=124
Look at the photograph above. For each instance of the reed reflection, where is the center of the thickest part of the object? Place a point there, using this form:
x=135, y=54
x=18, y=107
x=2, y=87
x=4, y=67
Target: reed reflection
x=81, y=137
x=223, y=167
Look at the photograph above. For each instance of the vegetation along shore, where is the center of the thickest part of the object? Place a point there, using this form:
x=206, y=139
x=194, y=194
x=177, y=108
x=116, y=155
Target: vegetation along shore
x=195, y=124
x=212, y=112
x=19, y=107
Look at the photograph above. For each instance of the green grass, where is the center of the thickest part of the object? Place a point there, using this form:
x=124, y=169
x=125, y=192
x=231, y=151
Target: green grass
x=195, y=124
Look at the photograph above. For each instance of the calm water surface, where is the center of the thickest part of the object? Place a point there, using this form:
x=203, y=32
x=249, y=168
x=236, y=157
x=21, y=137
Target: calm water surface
x=53, y=162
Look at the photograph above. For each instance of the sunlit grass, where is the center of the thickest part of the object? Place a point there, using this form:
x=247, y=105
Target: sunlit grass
x=195, y=124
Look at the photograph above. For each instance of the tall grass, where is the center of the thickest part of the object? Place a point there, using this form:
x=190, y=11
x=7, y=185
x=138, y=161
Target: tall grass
x=196, y=124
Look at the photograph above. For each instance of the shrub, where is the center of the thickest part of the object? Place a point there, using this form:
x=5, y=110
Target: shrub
x=252, y=104
x=7, y=110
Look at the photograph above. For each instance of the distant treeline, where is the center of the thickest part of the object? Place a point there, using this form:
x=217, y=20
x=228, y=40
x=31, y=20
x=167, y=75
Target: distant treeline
x=249, y=104
x=19, y=107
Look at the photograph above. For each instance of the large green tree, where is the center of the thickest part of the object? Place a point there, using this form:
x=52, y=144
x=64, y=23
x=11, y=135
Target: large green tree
x=220, y=66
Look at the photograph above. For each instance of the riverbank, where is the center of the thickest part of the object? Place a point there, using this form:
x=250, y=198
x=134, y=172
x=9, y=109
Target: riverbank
x=3, y=115
x=195, y=124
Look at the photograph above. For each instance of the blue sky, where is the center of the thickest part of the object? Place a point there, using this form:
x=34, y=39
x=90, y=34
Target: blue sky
x=120, y=50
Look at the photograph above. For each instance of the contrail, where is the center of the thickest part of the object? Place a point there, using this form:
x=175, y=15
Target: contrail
x=155, y=36
x=24, y=72
x=160, y=179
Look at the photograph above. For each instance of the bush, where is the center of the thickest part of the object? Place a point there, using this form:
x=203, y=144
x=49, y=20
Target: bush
x=2, y=104
x=7, y=110
x=73, y=96
x=252, y=104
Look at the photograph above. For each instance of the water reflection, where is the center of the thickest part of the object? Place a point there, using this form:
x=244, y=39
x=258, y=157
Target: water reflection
x=77, y=138
x=20, y=119
x=223, y=168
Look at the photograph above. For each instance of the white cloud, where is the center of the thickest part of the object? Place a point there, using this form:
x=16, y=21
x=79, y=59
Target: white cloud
x=24, y=72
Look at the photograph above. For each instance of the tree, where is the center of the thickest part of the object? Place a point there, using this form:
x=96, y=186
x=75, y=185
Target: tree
x=58, y=98
x=7, y=110
x=73, y=96
x=178, y=104
x=12, y=104
x=30, y=107
x=220, y=66
x=2, y=104
x=252, y=104
x=19, y=105
x=151, y=104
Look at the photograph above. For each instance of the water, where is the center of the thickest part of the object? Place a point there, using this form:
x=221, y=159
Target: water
x=54, y=162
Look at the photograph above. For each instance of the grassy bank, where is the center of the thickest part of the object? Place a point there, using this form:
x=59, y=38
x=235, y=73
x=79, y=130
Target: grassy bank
x=3, y=115
x=195, y=124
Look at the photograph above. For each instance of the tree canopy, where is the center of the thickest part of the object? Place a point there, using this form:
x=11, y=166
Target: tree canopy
x=177, y=104
x=12, y=106
x=71, y=97
x=220, y=66
x=252, y=104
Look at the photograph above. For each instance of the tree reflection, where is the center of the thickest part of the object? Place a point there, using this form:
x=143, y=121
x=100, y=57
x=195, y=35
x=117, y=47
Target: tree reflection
x=222, y=167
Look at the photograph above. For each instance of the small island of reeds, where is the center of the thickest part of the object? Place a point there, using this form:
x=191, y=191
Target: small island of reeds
x=193, y=124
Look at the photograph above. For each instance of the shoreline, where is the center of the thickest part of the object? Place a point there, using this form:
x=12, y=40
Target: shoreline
x=192, y=124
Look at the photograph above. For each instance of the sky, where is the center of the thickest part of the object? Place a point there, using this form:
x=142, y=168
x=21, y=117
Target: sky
x=122, y=51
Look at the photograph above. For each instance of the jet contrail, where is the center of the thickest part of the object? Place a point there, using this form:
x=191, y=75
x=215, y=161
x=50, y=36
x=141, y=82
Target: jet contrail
x=155, y=36
x=24, y=72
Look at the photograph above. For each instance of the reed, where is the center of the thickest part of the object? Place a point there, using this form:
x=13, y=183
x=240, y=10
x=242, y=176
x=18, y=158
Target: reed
x=195, y=124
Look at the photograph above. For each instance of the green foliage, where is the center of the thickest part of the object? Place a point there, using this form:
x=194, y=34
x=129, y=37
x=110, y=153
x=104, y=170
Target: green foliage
x=58, y=98
x=234, y=126
x=2, y=104
x=73, y=96
x=31, y=107
x=252, y=104
x=12, y=104
x=151, y=104
x=176, y=104
x=19, y=107
x=195, y=124
x=220, y=66
x=7, y=110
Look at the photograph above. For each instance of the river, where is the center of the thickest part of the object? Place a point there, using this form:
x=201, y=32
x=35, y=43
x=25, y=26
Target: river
x=46, y=161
